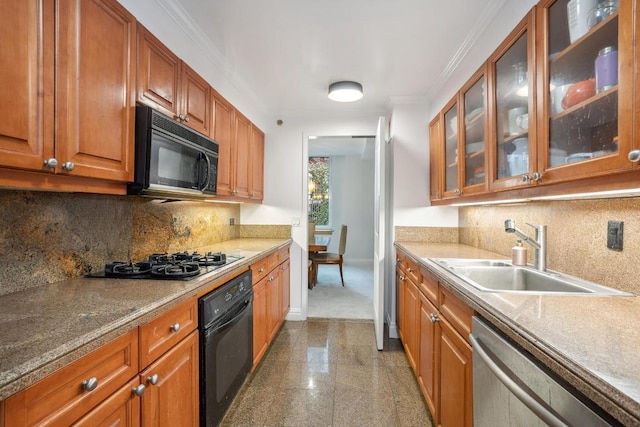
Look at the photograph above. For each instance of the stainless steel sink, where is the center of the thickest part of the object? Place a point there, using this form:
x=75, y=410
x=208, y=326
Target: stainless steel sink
x=501, y=276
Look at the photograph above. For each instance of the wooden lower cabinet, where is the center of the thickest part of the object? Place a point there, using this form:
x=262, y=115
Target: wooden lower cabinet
x=270, y=300
x=173, y=399
x=431, y=327
x=122, y=408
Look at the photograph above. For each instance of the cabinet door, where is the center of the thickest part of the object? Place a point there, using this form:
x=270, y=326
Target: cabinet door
x=158, y=74
x=26, y=72
x=427, y=359
x=196, y=100
x=174, y=398
x=435, y=159
x=274, y=293
x=452, y=186
x=243, y=142
x=286, y=286
x=474, y=136
x=513, y=157
x=588, y=81
x=455, y=385
x=256, y=166
x=260, y=320
x=411, y=323
x=121, y=409
x=95, y=89
x=223, y=133
x=400, y=287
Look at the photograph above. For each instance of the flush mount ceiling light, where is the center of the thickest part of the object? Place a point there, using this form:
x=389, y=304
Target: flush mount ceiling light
x=345, y=91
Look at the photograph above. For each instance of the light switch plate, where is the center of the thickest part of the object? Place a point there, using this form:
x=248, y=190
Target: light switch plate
x=614, y=235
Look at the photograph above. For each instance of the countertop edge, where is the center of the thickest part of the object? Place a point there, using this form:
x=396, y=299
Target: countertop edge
x=602, y=393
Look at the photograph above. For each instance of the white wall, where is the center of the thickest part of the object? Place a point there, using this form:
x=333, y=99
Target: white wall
x=352, y=204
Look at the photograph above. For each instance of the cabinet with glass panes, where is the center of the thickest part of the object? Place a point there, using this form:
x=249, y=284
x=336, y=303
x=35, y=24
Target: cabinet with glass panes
x=472, y=163
x=586, y=55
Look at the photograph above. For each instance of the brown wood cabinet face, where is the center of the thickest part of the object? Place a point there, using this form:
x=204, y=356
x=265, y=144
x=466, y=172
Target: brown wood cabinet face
x=26, y=72
x=435, y=161
x=260, y=320
x=286, y=286
x=427, y=361
x=456, y=379
x=174, y=399
x=158, y=74
x=256, y=167
x=121, y=409
x=223, y=133
x=243, y=143
x=411, y=324
x=95, y=89
x=196, y=100
x=60, y=398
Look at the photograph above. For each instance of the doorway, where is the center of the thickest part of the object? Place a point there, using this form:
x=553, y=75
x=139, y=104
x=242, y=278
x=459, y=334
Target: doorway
x=347, y=197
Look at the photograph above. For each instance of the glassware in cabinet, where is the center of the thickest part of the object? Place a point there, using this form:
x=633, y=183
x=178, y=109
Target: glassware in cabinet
x=474, y=140
x=451, y=130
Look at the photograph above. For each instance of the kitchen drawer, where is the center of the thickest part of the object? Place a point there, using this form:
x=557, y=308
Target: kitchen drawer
x=413, y=270
x=429, y=285
x=260, y=269
x=61, y=398
x=273, y=260
x=401, y=261
x=122, y=408
x=457, y=312
x=166, y=330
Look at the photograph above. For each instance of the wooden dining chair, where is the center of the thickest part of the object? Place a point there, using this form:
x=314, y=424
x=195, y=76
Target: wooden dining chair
x=330, y=257
x=312, y=232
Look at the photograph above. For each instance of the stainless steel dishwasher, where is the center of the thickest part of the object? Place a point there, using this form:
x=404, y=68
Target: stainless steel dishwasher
x=510, y=388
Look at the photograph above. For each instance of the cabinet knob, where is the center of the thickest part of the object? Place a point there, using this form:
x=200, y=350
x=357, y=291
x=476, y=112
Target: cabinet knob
x=261, y=270
x=434, y=318
x=153, y=379
x=90, y=384
x=68, y=166
x=139, y=390
x=51, y=163
x=186, y=119
x=634, y=155
x=175, y=327
x=403, y=278
x=234, y=192
x=410, y=270
x=457, y=192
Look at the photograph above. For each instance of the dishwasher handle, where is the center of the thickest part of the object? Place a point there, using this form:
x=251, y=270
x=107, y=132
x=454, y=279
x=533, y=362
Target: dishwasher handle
x=544, y=412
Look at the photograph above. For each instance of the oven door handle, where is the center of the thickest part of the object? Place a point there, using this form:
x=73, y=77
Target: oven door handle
x=230, y=318
x=527, y=397
x=202, y=185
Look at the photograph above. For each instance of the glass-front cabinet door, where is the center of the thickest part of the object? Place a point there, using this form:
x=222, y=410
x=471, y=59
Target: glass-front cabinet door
x=586, y=53
x=451, y=126
x=435, y=160
x=472, y=163
x=514, y=113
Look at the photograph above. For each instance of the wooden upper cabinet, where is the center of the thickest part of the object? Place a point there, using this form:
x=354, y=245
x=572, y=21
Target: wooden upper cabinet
x=451, y=174
x=256, y=166
x=95, y=89
x=170, y=86
x=26, y=98
x=158, y=74
x=435, y=160
x=243, y=143
x=196, y=100
x=223, y=132
x=590, y=135
x=513, y=109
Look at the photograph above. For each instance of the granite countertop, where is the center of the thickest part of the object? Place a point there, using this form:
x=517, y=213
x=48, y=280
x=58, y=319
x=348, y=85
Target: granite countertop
x=45, y=328
x=590, y=341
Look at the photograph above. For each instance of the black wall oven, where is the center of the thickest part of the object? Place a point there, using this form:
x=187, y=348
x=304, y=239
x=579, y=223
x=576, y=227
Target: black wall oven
x=172, y=160
x=226, y=346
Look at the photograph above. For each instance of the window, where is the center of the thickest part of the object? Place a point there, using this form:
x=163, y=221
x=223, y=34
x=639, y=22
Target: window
x=319, y=190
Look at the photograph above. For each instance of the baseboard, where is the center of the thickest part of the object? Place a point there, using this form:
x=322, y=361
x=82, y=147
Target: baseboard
x=295, y=315
x=393, y=328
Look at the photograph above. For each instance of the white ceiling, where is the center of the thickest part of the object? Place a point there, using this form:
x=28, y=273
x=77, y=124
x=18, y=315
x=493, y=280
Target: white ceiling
x=285, y=53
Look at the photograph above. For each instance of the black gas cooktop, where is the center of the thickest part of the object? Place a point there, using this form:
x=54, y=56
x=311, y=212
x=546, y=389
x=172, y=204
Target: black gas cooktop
x=175, y=266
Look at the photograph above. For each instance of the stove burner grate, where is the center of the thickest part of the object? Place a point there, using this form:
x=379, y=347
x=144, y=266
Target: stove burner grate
x=127, y=269
x=176, y=270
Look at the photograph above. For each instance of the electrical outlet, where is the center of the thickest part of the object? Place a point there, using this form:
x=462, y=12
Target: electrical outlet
x=614, y=235
x=232, y=221
x=295, y=221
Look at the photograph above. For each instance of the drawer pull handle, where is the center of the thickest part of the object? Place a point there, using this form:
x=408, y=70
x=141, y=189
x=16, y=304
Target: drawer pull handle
x=261, y=270
x=175, y=327
x=153, y=379
x=410, y=270
x=90, y=384
x=138, y=390
x=433, y=318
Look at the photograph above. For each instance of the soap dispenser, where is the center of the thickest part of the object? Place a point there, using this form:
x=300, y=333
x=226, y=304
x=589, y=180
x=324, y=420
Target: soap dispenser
x=519, y=254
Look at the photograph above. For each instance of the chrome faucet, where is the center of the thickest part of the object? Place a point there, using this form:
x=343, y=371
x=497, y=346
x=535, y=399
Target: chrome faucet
x=539, y=244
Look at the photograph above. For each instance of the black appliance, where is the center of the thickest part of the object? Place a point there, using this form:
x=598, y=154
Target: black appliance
x=175, y=266
x=225, y=321
x=171, y=160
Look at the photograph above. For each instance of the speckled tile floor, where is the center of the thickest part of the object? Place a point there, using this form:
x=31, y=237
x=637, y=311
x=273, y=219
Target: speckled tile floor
x=328, y=372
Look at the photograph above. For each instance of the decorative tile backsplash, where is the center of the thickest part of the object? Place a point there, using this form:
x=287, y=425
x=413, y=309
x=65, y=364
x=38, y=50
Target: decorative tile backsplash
x=46, y=237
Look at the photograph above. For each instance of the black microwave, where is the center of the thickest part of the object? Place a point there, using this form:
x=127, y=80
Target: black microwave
x=172, y=161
